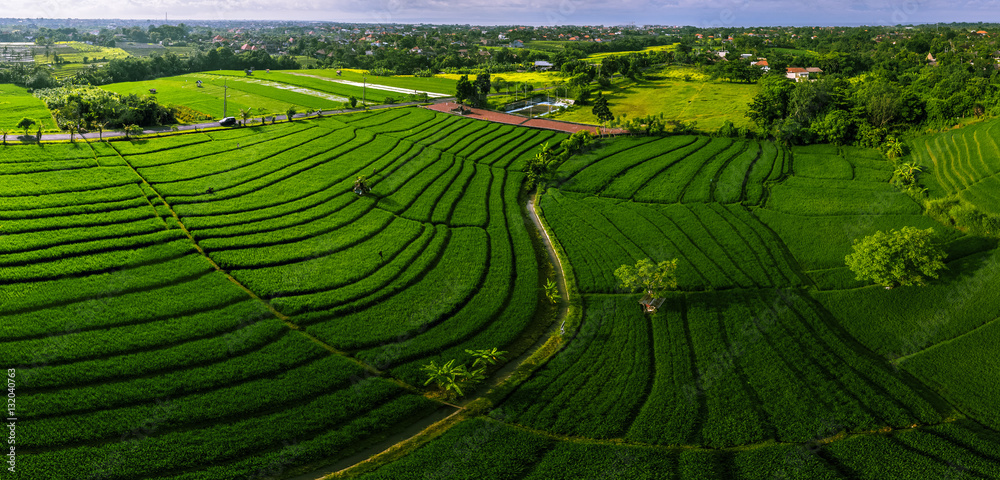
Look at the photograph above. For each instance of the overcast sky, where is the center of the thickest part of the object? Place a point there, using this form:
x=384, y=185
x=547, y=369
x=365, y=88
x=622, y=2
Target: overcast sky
x=702, y=13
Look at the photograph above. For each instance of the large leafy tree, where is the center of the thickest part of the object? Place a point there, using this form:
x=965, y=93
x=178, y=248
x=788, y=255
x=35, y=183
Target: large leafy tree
x=25, y=124
x=132, y=131
x=655, y=278
x=464, y=89
x=907, y=256
x=770, y=106
x=482, y=89
x=601, y=110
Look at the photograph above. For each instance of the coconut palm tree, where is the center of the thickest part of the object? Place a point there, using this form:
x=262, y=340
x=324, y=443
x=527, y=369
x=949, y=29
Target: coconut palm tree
x=245, y=114
x=71, y=127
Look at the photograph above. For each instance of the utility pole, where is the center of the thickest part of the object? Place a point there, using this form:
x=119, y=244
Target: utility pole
x=364, y=89
x=225, y=95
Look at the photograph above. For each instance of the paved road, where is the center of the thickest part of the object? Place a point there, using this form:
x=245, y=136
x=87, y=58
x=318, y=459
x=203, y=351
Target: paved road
x=202, y=126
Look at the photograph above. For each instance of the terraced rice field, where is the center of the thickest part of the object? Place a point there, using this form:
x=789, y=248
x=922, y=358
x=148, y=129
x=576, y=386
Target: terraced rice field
x=221, y=304
x=770, y=361
x=963, y=163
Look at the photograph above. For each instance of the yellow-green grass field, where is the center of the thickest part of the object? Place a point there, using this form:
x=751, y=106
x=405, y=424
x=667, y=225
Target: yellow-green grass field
x=367, y=88
x=654, y=48
x=16, y=103
x=263, y=98
x=72, y=54
x=437, y=84
x=535, y=78
x=708, y=102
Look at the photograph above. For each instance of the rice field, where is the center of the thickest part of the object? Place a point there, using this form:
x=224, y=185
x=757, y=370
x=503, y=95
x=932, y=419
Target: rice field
x=963, y=163
x=228, y=292
x=235, y=308
x=15, y=104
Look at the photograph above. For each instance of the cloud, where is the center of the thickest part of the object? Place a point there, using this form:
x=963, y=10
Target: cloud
x=532, y=12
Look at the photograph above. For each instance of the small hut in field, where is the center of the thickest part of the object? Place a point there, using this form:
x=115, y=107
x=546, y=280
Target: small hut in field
x=650, y=304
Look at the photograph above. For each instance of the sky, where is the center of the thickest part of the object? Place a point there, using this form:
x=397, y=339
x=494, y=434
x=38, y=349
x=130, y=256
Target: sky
x=700, y=13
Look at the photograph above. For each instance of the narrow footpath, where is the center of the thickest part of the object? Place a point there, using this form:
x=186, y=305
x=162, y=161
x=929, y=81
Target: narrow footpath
x=438, y=419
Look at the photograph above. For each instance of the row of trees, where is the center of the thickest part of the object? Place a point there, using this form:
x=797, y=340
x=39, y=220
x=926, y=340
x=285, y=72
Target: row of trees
x=132, y=69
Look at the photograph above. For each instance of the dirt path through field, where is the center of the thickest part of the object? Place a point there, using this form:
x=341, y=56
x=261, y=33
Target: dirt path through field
x=556, y=262
x=411, y=433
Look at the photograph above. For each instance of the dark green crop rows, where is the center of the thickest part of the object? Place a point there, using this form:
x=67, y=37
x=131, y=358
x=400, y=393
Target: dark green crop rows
x=138, y=358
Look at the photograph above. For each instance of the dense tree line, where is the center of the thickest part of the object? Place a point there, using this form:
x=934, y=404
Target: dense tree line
x=90, y=106
x=132, y=69
x=874, y=107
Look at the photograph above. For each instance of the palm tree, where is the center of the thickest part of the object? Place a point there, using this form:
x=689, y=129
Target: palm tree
x=289, y=113
x=245, y=114
x=71, y=126
x=100, y=128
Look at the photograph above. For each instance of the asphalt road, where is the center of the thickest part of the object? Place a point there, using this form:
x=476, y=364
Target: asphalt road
x=202, y=126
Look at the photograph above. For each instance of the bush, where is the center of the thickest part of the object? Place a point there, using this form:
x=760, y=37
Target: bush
x=382, y=72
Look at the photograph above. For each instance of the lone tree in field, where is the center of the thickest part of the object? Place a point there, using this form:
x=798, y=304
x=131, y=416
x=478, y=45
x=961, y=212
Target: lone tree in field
x=601, y=110
x=655, y=278
x=25, y=124
x=898, y=257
